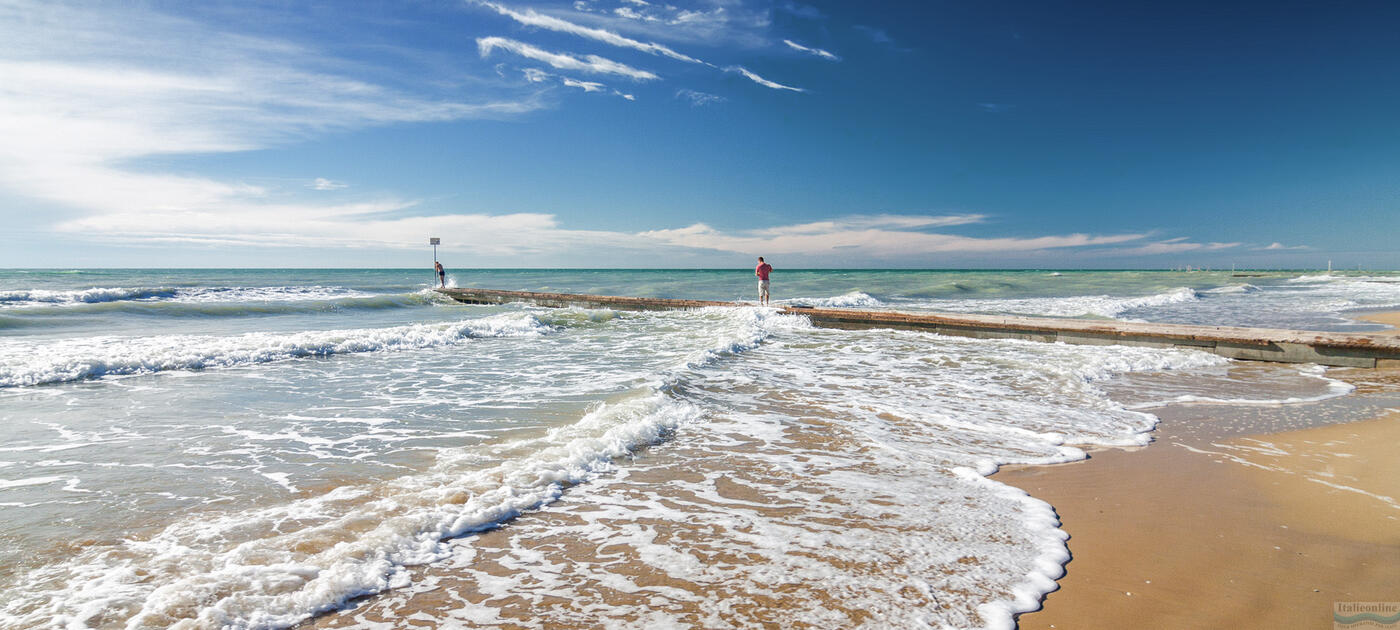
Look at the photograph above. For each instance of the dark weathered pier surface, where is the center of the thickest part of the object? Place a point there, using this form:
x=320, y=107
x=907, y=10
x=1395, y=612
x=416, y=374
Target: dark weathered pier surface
x=1254, y=344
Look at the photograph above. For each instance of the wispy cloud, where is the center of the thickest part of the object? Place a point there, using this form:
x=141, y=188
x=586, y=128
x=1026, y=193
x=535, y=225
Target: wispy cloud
x=592, y=64
x=587, y=86
x=1169, y=246
x=699, y=99
x=530, y=17
x=322, y=183
x=80, y=100
x=762, y=81
x=877, y=237
x=811, y=51
x=996, y=108
x=682, y=20
x=1277, y=246
x=536, y=75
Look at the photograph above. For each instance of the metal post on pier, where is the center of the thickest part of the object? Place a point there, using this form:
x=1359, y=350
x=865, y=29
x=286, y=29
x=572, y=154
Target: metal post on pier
x=434, y=241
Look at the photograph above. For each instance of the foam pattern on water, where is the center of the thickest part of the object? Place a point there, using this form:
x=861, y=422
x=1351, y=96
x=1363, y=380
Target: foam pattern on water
x=97, y=295
x=1105, y=306
x=96, y=357
x=712, y=468
x=272, y=566
x=854, y=299
x=837, y=481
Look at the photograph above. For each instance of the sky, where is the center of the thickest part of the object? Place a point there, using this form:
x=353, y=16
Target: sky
x=646, y=133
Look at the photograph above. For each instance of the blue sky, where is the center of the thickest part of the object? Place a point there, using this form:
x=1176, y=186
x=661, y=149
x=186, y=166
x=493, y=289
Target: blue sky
x=635, y=133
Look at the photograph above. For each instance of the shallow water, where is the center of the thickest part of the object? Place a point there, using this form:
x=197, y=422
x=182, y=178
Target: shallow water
x=249, y=448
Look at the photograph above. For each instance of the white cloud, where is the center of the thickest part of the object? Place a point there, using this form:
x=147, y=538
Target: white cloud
x=589, y=63
x=629, y=13
x=878, y=237
x=81, y=99
x=873, y=238
x=1169, y=246
x=811, y=51
x=530, y=17
x=535, y=75
x=587, y=86
x=1277, y=246
x=760, y=80
x=699, y=99
x=322, y=183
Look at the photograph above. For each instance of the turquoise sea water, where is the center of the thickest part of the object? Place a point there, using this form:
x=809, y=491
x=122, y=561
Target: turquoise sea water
x=247, y=448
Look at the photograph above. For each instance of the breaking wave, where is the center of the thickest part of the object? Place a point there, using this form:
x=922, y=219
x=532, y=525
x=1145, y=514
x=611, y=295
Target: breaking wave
x=854, y=299
x=97, y=357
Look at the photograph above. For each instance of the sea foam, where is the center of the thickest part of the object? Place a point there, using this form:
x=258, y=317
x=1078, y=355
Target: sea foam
x=21, y=364
x=244, y=570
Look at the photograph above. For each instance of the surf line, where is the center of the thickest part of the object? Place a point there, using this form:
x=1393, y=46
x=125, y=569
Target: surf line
x=1362, y=350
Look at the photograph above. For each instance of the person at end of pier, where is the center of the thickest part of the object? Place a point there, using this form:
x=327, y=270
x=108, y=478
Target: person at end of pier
x=762, y=271
x=442, y=274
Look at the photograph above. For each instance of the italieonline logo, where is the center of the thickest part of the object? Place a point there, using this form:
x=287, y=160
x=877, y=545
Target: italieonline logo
x=1358, y=615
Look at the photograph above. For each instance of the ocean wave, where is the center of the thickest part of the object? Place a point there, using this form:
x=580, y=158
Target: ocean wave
x=99, y=295
x=84, y=296
x=245, y=570
x=854, y=299
x=239, y=573
x=1075, y=306
x=1232, y=289
x=1315, y=279
x=232, y=308
x=96, y=357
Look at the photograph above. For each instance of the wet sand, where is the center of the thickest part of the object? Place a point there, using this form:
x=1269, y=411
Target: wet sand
x=1223, y=522
x=1391, y=318
x=1208, y=528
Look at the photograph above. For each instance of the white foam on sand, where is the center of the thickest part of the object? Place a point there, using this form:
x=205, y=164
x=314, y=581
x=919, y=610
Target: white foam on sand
x=274, y=566
x=864, y=456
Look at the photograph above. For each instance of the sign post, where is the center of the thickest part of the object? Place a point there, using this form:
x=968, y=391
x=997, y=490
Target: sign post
x=434, y=241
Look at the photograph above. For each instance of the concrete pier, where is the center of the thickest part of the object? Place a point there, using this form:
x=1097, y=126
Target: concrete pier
x=1367, y=350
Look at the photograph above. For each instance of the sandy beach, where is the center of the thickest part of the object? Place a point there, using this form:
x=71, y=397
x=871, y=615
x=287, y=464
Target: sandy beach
x=1389, y=318
x=1219, y=524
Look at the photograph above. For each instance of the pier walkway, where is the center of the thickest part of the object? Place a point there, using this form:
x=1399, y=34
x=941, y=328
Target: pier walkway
x=1367, y=350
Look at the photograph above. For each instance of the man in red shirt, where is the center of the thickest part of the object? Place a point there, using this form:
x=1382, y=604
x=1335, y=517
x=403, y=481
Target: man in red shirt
x=762, y=271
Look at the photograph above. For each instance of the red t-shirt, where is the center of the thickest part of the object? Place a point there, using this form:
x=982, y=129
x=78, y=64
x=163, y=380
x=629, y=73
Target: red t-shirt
x=762, y=270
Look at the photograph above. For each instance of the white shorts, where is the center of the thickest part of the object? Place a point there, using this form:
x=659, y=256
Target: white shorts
x=763, y=287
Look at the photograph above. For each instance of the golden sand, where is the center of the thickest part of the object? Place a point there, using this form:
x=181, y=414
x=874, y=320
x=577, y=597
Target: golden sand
x=1245, y=532
x=1198, y=530
x=1391, y=318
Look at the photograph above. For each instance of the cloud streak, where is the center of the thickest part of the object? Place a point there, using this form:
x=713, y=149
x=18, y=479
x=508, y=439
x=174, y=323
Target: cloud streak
x=879, y=237
x=811, y=51
x=762, y=81
x=699, y=99
x=80, y=100
x=592, y=64
x=530, y=17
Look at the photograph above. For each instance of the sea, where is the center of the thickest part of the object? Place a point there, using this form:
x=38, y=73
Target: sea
x=268, y=448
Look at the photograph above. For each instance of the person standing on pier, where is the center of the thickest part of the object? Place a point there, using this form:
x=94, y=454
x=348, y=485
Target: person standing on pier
x=442, y=274
x=762, y=271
